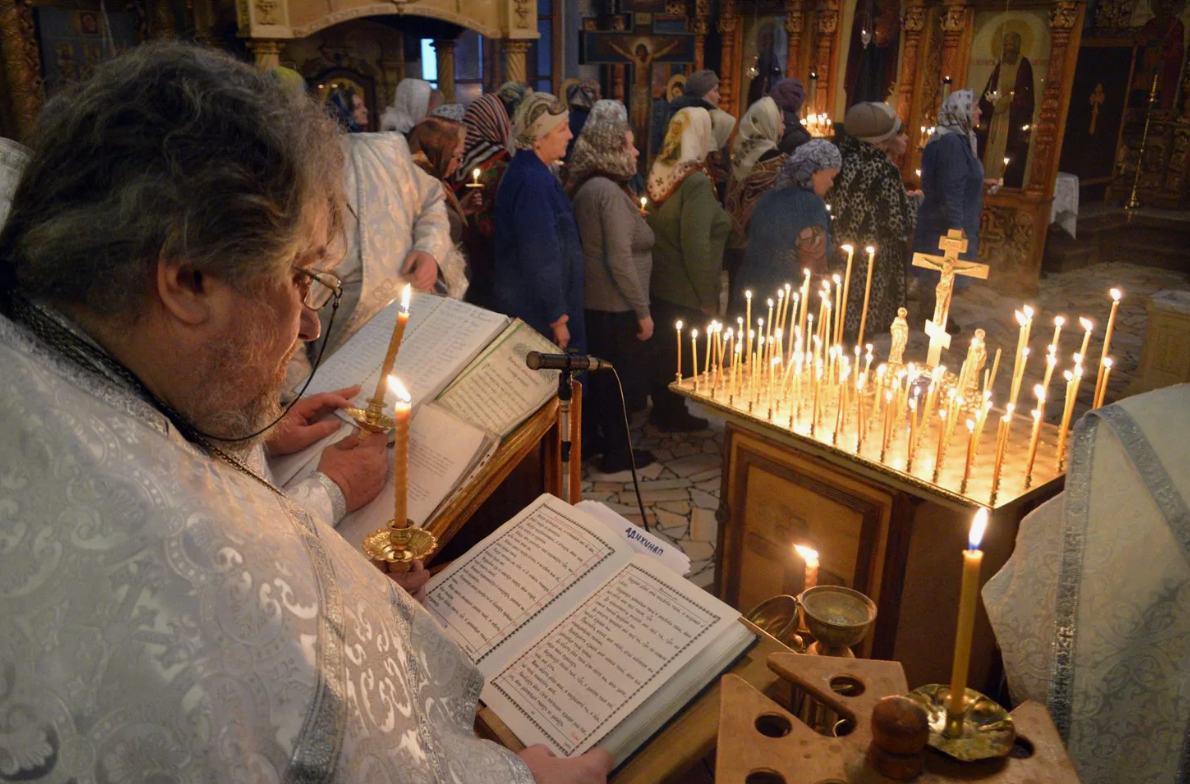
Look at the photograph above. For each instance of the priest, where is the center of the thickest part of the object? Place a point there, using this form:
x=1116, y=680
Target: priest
x=166, y=611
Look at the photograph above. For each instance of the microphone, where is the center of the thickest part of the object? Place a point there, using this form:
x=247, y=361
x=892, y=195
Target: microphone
x=574, y=363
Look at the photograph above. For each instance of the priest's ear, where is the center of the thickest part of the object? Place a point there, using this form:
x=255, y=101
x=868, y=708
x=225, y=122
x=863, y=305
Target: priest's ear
x=183, y=290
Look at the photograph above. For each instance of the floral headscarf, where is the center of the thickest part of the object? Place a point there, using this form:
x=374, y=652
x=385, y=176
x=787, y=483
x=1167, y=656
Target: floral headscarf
x=600, y=152
x=411, y=101
x=760, y=130
x=688, y=140
x=807, y=160
x=956, y=116
x=511, y=94
x=450, y=111
x=488, y=134
x=607, y=109
x=538, y=114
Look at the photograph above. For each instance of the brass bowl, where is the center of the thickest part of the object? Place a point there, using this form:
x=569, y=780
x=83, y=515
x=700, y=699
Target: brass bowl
x=984, y=731
x=778, y=616
x=837, y=617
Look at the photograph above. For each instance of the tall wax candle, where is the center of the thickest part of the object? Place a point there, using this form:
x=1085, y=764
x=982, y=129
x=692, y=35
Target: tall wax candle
x=1087, y=326
x=968, y=598
x=1107, y=363
x=748, y=320
x=809, y=557
x=394, y=344
x=694, y=353
x=846, y=287
x=678, y=325
x=1116, y=294
x=863, y=318
x=402, y=406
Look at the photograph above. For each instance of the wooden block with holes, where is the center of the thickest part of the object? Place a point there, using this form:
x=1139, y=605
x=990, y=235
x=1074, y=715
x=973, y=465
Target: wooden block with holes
x=822, y=736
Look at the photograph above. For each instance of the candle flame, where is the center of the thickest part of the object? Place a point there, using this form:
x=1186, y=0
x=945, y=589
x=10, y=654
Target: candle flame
x=770, y=301
x=1008, y=409
x=1068, y=376
x=399, y=390
x=871, y=250
x=807, y=554
x=1086, y=323
x=970, y=425
x=643, y=201
x=849, y=248
x=806, y=272
x=475, y=174
x=1039, y=391
x=979, y=524
x=1020, y=317
x=836, y=279
x=694, y=333
x=1028, y=312
x=1107, y=362
x=679, y=325
x=406, y=295
x=788, y=287
x=1116, y=294
x=1059, y=321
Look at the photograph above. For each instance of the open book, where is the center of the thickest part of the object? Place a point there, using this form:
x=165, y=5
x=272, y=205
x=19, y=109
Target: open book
x=582, y=642
x=465, y=370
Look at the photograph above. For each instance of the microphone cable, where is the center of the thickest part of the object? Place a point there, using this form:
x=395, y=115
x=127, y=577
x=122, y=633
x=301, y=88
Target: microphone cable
x=631, y=456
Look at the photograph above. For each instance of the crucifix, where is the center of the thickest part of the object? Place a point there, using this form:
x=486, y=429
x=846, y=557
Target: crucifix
x=948, y=265
x=1097, y=100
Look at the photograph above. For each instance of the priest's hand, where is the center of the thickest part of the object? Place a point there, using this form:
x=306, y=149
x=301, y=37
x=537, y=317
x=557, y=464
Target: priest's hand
x=359, y=469
x=561, y=332
x=305, y=423
x=421, y=270
x=590, y=768
x=413, y=581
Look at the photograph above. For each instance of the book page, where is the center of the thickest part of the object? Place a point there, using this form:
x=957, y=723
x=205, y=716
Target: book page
x=510, y=582
x=580, y=679
x=498, y=392
x=442, y=448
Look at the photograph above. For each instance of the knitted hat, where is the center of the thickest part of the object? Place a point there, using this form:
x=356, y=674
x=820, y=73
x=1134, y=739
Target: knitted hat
x=700, y=83
x=789, y=94
x=872, y=122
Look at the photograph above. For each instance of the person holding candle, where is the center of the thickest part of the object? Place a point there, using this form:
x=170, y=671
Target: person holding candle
x=488, y=150
x=617, y=254
x=539, y=257
x=1090, y=612
x=872, y=208
x=791, y=227
x=691, y=230
x=437, y=148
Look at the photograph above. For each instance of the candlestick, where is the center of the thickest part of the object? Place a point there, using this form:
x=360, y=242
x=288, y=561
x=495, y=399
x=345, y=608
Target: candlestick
x=401, y=408
x=694, y=353
x=475, y=183
x=1099, y=398
x=970, y=455
x=1002, y=435
x=837, y=335
x=1116, y=294
x=748, y=320
x=1058, y=322
x=863, y=317
x=809, y=556
x=1067, y=410
x=968, y=597
x=394, y=343
x=1034, y=436
x=1087, y=325
x=678, y=326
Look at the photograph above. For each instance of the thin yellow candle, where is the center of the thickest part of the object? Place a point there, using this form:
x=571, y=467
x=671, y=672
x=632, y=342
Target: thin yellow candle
x=748, y=320
x=909, y=446
x=1101, y=384
x=394, y=344
x=759, y=353
x=768, y=333
x=991, y=382
x=644, y=206
x=888, y=407
x=780, y=309
x=401, y=409
x=970, y=455
x=817, y=387
x=863, y=317
x=842, y=404
x=860, y=382
x=706, y=368
x=1001, y=445
x=785, y=326
x=1058, y=322
x=1116, y=294
x=1025, y=320
x=941, y=449
x=1035, y=435
x=805, y=300
x=810, y=557
x=1051, y=362
x=694, y=352
x=956, y=704
x=846, y=291
x=1067, y=408
x=1087, y=326
x=840, y=307
x=678, y=326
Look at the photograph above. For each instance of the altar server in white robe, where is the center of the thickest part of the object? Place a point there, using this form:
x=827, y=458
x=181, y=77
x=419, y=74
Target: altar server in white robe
x=1092, y=611
x=165, y=613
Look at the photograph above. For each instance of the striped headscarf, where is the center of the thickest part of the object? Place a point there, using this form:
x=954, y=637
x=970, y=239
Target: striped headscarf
x=489, y=133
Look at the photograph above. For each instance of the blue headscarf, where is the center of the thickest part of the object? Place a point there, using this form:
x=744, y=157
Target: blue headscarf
x=807, y=160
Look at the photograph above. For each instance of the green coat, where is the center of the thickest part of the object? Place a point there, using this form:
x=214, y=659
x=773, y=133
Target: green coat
x=691, y=230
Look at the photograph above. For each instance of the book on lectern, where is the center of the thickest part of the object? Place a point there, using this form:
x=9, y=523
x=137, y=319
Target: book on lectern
x=465, y=369
x=583, y=640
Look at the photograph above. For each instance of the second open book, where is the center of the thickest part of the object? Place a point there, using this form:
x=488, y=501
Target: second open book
x=582, y=641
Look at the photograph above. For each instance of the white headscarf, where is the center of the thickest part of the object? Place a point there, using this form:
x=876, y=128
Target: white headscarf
x=722, y=124
x=688, y=140
x=607, y=109
x=956, y=116
x=411, y=101
x=760, y=130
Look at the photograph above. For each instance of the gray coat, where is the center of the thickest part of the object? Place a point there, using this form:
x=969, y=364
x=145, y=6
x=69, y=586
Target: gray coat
x=617, y=248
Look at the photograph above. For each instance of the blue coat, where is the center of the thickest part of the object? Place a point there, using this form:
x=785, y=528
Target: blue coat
x=952, y=181
x=539, y=256
x=771, y=259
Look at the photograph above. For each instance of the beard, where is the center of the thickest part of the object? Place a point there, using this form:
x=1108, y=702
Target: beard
x=237, y=383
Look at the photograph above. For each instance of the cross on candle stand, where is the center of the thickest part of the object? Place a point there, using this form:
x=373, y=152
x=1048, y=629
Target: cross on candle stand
x=948, y=265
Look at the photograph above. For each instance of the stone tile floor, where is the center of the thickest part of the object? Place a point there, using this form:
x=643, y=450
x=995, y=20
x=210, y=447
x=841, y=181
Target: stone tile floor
x=681, y=490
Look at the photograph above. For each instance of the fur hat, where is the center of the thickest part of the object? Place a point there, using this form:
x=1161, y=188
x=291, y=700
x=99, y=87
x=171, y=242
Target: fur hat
x=872, y=122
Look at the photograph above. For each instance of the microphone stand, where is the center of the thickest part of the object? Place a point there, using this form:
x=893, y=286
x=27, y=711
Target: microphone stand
x=565, y=395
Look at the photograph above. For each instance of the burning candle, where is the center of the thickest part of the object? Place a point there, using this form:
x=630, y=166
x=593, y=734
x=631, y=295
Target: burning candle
x=1025, y=320
x=968, y=597
x=474, y=179
x=644, y=206
x=401, y=408
x=1087, y=325
x=1035, y=436
x=970, y=454
x=847, y=285
x=678, y=325
x=837, y=335
x=805, y=301
x=809, y=557
x=863, y=317
x=1072, y=382
x=1116, y=294
x=991, y=379
x=1001, y=445
x=1058, y=322
x=748, y=319
x=394, y=344
x=1102, y=392
x=940, y=454
x=888, y=407
x=694, y=353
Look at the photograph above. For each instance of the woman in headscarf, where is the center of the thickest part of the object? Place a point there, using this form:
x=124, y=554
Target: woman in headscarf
x=348, y=109
x=755, y=163
x=539, y=258
x=449, y=111
x=790, y=226
x=580, y=98
x=952, y=182
x=511, y=94
x=691, y=230
x=437, y=148
x=411, y=103
x=789, y=94
x=871, y=207
x=617, y=253
x=487, y=149
x=719, y=159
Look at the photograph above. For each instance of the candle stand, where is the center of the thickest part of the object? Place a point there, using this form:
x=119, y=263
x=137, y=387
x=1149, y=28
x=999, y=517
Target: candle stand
x=395, y=548
x=371, y=419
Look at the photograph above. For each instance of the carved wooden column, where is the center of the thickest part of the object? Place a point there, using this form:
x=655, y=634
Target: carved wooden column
x=1046, y=138
x=444, y=51
x=700, y=28
x=827, y=26
x=392, y=63
x=954, y=22
x=911, y=26
x=266, y=53
x=515, y=66
x=22, y=64
x=794, y=21
x=729, y=20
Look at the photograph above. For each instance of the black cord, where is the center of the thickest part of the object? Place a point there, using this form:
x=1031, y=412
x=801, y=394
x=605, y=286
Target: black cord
x=631, y=456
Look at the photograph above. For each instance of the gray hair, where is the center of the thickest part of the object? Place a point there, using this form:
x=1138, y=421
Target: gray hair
x=169, y=151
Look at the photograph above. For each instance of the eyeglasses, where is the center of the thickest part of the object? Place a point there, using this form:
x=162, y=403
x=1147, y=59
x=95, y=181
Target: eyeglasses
x=317, y=297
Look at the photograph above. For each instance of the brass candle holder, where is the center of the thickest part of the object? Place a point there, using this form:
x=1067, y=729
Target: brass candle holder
x=395, y=548
x=371, y=419
x=984, y=730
